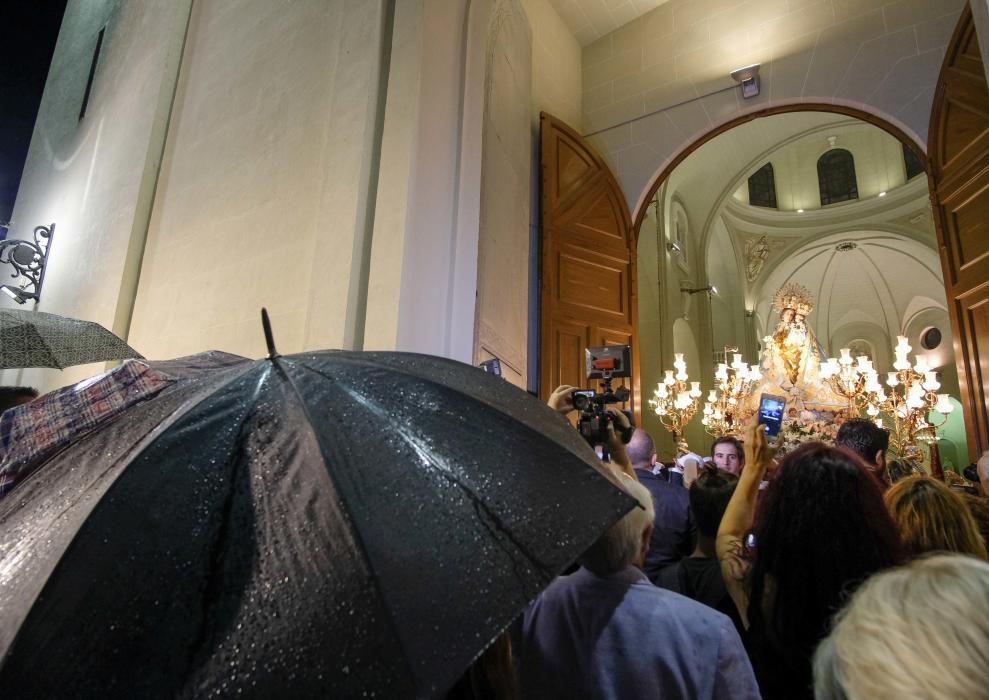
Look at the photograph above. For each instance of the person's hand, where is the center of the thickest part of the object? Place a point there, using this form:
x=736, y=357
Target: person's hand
x=759, y=453
x=619, y=418
x=616, y=446
x=559, y=400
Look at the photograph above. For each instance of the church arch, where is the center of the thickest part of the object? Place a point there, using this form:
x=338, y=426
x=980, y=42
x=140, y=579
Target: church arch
x=882, y=121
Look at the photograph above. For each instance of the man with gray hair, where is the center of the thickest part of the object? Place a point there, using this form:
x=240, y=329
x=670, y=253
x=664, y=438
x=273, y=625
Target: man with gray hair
x=606, y=632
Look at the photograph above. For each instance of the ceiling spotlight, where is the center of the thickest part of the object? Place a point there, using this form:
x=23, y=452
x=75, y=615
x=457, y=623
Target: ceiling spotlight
x=748, y=78
x=882, y=194
x=800, y=211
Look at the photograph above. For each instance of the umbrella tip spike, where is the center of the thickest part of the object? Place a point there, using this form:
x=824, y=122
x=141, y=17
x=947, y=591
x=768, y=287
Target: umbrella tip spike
x=269, y=339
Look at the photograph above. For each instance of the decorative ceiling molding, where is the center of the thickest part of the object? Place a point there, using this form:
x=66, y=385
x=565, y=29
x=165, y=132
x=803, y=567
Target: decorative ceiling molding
x=883, y=280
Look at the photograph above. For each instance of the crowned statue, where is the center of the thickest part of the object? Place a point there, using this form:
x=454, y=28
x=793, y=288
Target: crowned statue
x=792, y=355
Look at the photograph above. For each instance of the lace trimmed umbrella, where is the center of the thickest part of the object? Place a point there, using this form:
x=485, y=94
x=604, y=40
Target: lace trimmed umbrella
x=37, y=339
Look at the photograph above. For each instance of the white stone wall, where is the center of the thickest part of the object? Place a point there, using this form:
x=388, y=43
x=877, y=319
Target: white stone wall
x=506, y=178
x=556, y=65
x=262, y=194
x=95, y=177
x=879, y=56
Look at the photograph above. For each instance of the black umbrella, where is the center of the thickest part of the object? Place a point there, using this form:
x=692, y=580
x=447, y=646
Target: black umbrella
x=340, y=524
x=37, y=339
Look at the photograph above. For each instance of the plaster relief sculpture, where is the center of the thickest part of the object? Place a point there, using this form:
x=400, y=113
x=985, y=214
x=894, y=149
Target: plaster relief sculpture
x=756, y=252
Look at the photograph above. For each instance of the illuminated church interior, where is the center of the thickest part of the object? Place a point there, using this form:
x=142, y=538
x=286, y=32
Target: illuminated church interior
x=515, y=179
x=742, y=212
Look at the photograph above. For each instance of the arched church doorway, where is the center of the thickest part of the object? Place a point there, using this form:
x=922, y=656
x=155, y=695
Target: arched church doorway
x=825, y=197
x=680, y=244
x=741, y=211
x=822, y=192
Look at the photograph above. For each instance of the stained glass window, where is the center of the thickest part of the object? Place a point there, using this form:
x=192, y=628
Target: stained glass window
x=762, y=187
x=836, y=177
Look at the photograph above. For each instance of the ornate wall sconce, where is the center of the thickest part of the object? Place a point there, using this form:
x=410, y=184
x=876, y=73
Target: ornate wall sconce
x=28, y=260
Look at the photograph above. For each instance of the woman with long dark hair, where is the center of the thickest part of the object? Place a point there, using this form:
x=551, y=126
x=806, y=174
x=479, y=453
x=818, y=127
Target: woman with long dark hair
x=820, y=529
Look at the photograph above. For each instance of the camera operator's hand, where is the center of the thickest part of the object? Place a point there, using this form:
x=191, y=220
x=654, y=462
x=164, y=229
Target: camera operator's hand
x=559, y=400
x=616, y=446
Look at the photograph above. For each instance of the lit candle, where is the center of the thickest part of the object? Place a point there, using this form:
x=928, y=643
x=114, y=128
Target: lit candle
x=846, y=357
x=891, y=379
x=901, y=343
x=712, y=396
x=930, y=381
x=669, y=377
x=921, y=366
x=695, y=389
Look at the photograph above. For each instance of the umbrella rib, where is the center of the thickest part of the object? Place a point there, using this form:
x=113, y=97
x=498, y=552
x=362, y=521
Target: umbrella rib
x=479, y=505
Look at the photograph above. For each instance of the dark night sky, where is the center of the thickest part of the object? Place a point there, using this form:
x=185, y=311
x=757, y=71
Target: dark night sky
x=30, y=30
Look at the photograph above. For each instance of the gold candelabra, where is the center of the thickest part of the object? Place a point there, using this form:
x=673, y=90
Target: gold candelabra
x=908, y=400
x=847, y=379
x=674, y=402
x=726, y=409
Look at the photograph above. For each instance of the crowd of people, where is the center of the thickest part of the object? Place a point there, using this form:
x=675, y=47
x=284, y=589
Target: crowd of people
x=814, y=574
x=743, y=576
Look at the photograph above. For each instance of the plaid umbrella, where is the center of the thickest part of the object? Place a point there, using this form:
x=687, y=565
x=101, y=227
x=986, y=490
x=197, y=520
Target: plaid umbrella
x=33, y=432
x=36, y=339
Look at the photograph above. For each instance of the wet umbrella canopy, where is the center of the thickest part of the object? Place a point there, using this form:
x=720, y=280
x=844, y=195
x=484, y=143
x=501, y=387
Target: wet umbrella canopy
x=339, y=524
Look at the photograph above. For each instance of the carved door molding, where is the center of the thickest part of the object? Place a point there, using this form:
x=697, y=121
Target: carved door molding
x=959, y=177
x=587, y=285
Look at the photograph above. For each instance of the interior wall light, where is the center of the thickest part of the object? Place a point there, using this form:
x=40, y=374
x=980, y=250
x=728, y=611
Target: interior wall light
x=29, y=261
x=674, y=247
x=748, y=78
x=710, y=288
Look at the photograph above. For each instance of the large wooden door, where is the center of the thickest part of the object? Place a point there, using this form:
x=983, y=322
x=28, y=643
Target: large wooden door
x=959, y=153
x=587, y=273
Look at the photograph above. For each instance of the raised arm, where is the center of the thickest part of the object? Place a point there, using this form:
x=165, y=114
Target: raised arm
x=739, y=516
x=616, y=448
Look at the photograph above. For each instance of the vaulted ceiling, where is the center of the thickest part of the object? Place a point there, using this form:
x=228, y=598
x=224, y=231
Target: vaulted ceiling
x=871, y=264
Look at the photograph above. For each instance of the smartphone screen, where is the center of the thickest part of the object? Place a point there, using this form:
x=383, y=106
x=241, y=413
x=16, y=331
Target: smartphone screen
x=771, y=413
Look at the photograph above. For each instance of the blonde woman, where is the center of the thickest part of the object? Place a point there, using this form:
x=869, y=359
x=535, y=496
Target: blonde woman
x=931, y=517
x=916, y=632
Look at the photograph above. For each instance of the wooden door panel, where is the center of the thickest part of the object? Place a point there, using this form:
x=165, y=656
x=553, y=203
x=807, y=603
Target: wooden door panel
x=959, y=177
x=587, y=259
x=566, y=347
x=968, y=127
x=974, y=309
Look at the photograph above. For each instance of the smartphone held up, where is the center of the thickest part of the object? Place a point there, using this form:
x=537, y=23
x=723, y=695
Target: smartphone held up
x=771, y=413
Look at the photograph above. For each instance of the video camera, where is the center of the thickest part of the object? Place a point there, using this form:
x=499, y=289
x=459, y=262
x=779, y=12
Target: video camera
x=604, y=363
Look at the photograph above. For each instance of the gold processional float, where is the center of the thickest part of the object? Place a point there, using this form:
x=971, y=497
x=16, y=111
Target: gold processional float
x=821, y=392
